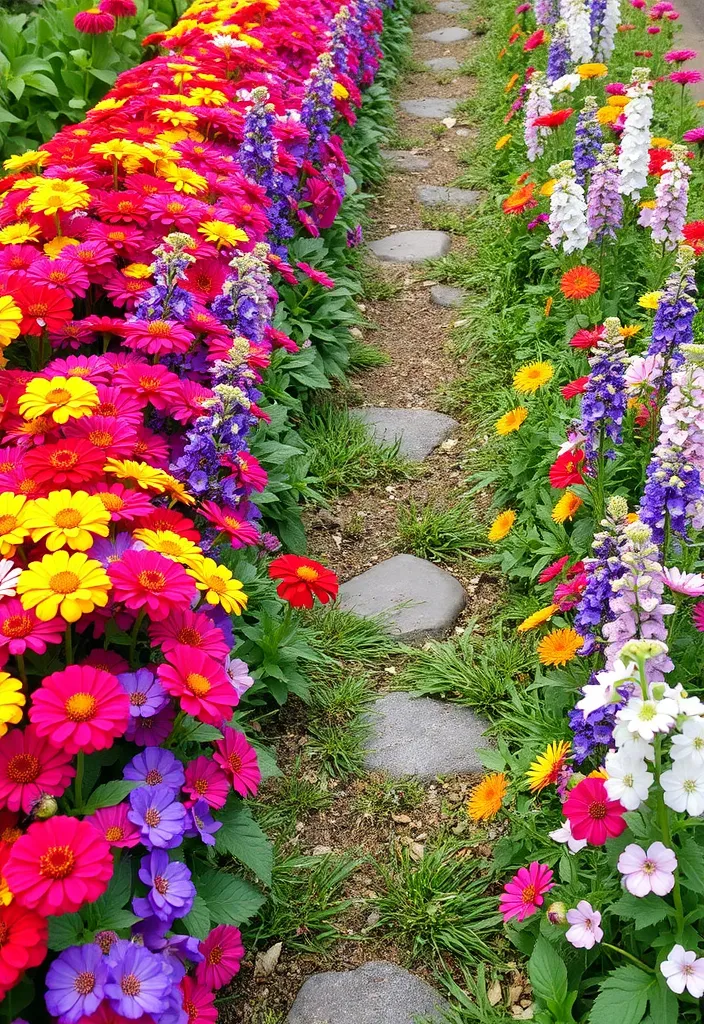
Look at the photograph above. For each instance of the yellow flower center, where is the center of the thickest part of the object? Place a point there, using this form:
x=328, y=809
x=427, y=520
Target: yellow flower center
x=217, y=584
x=152, y=579
x=112, y=502
x=114, y=833
x=80, y=707
x=7, y=523
x=68, y=518
x=197, y=684
x=100, y=438
x=16, y=626
x=307, y=573
x=58, y=396
x=65, y=582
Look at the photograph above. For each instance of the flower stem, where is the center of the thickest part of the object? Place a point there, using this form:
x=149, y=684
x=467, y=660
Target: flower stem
x=664, y=822
x=628, y=956
x=68, y=644
x=135, y=634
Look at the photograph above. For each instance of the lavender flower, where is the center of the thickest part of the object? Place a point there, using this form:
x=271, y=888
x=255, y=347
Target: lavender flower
x=559, y=56
x=160, y=818
x=545, y=12
x=667, y=218
x=604, y=200
x=138, y=982
x=597, y=12
x=257, y=157
x=171, y=891
x=538, y=104
x=318, y=108
x=604, y=400
x=202, y=822
x=156, y=767
x=588, y=139
x=75, y=983
x=146, y=693
x=593, y=732
x=166, y=300
x=601, y=570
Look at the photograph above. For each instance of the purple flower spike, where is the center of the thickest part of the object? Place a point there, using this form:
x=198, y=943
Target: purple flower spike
x=145, y=692
x=138, y=981
x=75, y=983
x=160, y=818
x=171, y=891
x=156, y=767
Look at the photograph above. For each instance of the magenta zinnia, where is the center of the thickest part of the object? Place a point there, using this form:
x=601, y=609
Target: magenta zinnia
x=524, y=893
x=149, y=581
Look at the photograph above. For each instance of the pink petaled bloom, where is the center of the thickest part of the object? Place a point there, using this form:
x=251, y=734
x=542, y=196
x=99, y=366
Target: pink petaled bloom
x=119, y=8
x=115, y=438
x=694, y=135
x=206, y=781
x=683, y=969
x=698, y=616
x=147, y=580
x=30, y=768
x=316, y=275
x=80, y=708
x=679, y=56
x=522, y=8
x=115, y=827
x=241, y=532
x=534, y=40
x=553, y=570
x=691, y=584
x=585, y=931
x=157, y=337
x=616, y=89
x=653, y=30
x=121, y=502
x=63, y=273
x=58, y=865
x=198, y=1002
x=21, y=630
x=686, y=77
x=190, y=629
x=200, y=683
x=222, y=954
x=643, y=370
x=592, y=816
x=154, y=383
x=94, y=369
x=650, y=870
x=638, y=4
x=239, y=761
x=567, y=595
x=524, y=893
x=94, y=22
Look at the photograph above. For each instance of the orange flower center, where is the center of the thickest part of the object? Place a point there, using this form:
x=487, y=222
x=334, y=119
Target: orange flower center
x=4, y=932
x=197, y=684
x=29, y=487
x=217, y=584
x=201, y=786
x=130, y=985
x=159, y=329
x=233, y=523
x=37, y=309
x=10, y=835
x=84, y=983
x=58, y=277
x=189, y=636
x=80, y=707
x=154, y=777
x=307, y=573
x=64, y=459
x=235, y=762
x=174, y=207
x=112, y=502
x=68, y=518
x=57, y=862
x=215, y=955
x=58, y=396
x=106, y=409
x=125, y=206
x=528, y=894
x=100, y=438
x=7, y=523
x=23, y=768
x=117, y=236
x=114, y=833
x=152, y=817
x=65, y=582
x=152, y=580
x=149, y=383
x=138, y=699
x=170, y=547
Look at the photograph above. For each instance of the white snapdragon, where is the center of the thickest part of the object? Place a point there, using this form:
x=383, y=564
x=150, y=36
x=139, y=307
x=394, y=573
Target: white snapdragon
x=538, y=104
x=634, y=157
x=606, y=39
x=629, y=779
x=576, y=16
x=631, y=744
x=568, y=210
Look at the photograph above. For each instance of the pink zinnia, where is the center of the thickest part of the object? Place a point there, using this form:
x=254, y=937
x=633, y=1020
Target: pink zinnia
x=553, y=570
x=200, y=683
x=205, y=780
x=115, y=827
x=191, y=629
x=20, y=629
x=698, y=616
x=80, y=708
x=29, y=768
x=592, y=816
x=222, y=954
x=146, y=580
x=58, y=866
x=679, y=56
x=694, y=135
x=239, y=761
x=154, y=384
x=119, y=8
x=123, y=504
x=685, y=77
x=157, y=337
x=316, y=275
x=114, y=438
x=241, y=532
x=198, y=1002
x=94, y=22
x=524, y=893
x=567, y=595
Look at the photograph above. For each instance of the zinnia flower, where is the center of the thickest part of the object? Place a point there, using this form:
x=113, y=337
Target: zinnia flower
x=566, y=469
x=537, y=618
x=75, y=983
x=62, y=398
x=592, y=816
x=24, y=943
x=13, y=513
x=150, y=581
x=12, y=700
x=64, y=584
x=524, y=893
x=30, y=768
x=21, y=630
x=191, y=629
x=531, y=377
x=239, y=761
x=559, y=647
x=520, y=200
x=80, y=708
x=200, y=684
x=198, y=1002
x=544, y=771
x=115, y=827
x=302, y=579
x=205, y=780
x=219, y=585
x=94, y=21
x=487, y=796
x=69, y=520
x=511, y=421
x=502, y=526
x=566, y=507
x=222, y=954
x=579, y=283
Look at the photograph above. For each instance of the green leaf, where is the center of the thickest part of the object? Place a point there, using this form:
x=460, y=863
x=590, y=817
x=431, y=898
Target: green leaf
x=42, y=83
x=643, y=912
x=192, y=731
x=108, y=910
x=664, y=1005
x=689, y=860
x=197, y=921
x=109, y=794
x=547, y=973
x=623, y=997
x=65, y=931
x=229, y=899
x=242, y=838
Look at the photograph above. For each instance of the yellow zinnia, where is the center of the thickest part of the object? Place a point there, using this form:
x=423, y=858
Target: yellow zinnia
x=170, y=544
x=511, y=421
x=64, y=584
x=486, y=798
x=63, y=519
x=544, y=771
x=650, y=300
x=503, y=141
x=607, y=114
x=18, y=234
x=559, y=647
x=591, y=70
x=529, y=378
x=219, y=585
x=144, y=476
x=22, y=161
x=183, y=179
x=10, y=319
x=56, y=246
x=222, y=233
x=63, y=398
x=630, y=331
x=12, y=700
x=502, y=525
x=566, y=507
x=537, y=618
x=59, y=195
x=618, y=101
x=13, y=513
x=658, y=142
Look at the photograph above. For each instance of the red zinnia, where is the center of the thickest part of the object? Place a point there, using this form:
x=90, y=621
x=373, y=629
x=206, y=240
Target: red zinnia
x=534, y=40
x=170, y=519
x=694, y=235
x=43, y=307
x=198, y=1002
x=147, y=580
x=24, y=943
x=119, y=8
x=80, y=708
x=58, y=865
x=200, y=683
x=31, y=767
x=65, y=463
x=575, y=387
x=592, y=816
x=579, y=283
x=553, y=570
x=587, y=337
x=302, y=579
x=566, y=471
x=553, y=120
x=222, y=954
x=94, y=22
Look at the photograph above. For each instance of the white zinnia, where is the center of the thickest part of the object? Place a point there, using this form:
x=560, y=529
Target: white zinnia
x=576, y=15
x=568, y=210
x=634, y=157
x=629, y=779
x=645, y=718
x=683, y=787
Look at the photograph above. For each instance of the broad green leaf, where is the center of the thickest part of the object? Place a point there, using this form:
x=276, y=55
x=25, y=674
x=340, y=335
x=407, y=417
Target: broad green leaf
x=547, y=973
x=42, y=83
x=242, y=838
x=689, y=860
x=65, y=931
x=229, y=899
x=623, y=997
x=197, y=921
x=108, y=795
x=643, y=912
x=663, y=1004
x=192, y=731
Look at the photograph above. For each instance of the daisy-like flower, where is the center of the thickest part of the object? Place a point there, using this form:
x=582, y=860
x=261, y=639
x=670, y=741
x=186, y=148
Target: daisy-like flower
x=501, y=526
x=156, y=767
x=302, y=580
x=628, y=779
x=550, y=572
x=160, y=818
x=487, y=796
x=537, y=618
x=198, y=998
x=645, y=718
x=123, y=504
x=579, y=283
x=115, y=827
x=222, y=953
x=238, y=759
x=546, y=768
x=647, y=871
x=24, y=944
x=13, y=513
x=10, y=318
x=192, y=629
x=559, y=647
x=241, y=532
x=170, y=544
x=564, y=835
x=9, y=575
x=691, y=584
x=66, y=463
x=150, y=581
x=75, y=982
x=650, y=300
x=138, y=981
x=520, y=200
x=205, y=780
x=528, y=379
x=146, y=694
x=170, y=889
x=511, y=421
x=585, y=930
x=525, y=892
x=683, y=786
x=12, y=700
x=688, y=743
x=683, y=969
x=566, y=507
x=66, y=519
x=218, y=585
x=591, y=814
x=30, y=767
x=21, y=630
x=69, y=585
x=140, y=473
x=200, y=684
x=62, y=398
x=80, y=708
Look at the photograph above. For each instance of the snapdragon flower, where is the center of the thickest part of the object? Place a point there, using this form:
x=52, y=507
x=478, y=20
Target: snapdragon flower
x=604, y=200
x=667, y=218
x=576, y=16
x=634, y=156
x=568, y=210
x=538, y=103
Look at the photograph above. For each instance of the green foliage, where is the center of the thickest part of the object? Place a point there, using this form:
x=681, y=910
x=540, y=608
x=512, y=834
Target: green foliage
x=364, y=356
x=337, y=728
x=294, y=795
x=382, y=796
x=440, y=534
x=346, y=636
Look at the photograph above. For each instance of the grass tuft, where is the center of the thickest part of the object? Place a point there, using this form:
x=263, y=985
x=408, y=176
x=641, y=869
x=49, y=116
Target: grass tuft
x=294, y=796
x=383, y=796
x=439, y=534
x=364, y=356
x=336, y=728
x=344, y=635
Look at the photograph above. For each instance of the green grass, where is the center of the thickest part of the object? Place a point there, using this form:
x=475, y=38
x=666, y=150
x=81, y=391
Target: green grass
x=364, y=356
x=344, y=635
x=439, y=534
x=336, y=728
x=383, y=796
x=344, y=455
x=376, y=285
x=293, y=797
x=471, y=1001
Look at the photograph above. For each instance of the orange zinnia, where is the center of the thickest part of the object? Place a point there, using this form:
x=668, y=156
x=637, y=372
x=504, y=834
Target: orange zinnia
x=566, y=507
x=486, y=798
x=520, y=200
x=579, y=283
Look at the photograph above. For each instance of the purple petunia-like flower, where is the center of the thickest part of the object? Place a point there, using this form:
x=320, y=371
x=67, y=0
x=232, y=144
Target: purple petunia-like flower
x=176, y=949
x=202, y=823
x=171, y=891
x=75, y=983
x=146, y=693
x=160, y=818
x=138, y=981
x=156, y=767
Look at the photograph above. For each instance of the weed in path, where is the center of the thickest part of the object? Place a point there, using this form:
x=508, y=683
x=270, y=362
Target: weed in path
x=439, y=534
x=383, y=796
x=471, y=1003
x=294, y=796
x=344, y=635
x=364, y=356
x=377, y=285
x=337, y=728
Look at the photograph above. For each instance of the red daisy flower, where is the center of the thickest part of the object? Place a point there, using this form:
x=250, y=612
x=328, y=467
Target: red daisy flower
x=302, y=579
x=223, y=953
x=24, y=943
x=58, y=866
x=29, y=768
x=198, y=1002
x=190, y=628
x=566, y=470
x=553, y=570
x=145, y=580
x=200, y=683
x=575, y=387
x=587, y=337
x=592, y=816
x=113, y=437
x=567, y=595
x=206, y=781
x=80, y=708
x=579, y=283
x=553, y=120
x=43, y=307
x=65, y=463
x=534, y=40
x=241, y=532
x=238, y=759
x=170, y=519
x=94, y=22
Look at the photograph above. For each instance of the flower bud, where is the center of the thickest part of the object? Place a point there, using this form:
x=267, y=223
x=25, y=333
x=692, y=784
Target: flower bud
x=557, y=913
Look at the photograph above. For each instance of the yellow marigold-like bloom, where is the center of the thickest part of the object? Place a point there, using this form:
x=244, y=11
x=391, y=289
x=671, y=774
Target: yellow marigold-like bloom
x=559, y=647
x=511, y=421
x=116, y=150
x=17, y=234
x=658, y=142
x=537, y=618
x=10, y=319
x=147, y=477
x=650, y=300
x=56, y=246
x=219, y=585
x=591, y=70
x=339, y=91
x=529, y=378
x=183, y=179
x=63, y=519
x=598, y=773
x=502, y=526
x=171, y=136
x=176, y=117
x=630, y=331
x=6, y=896
x=12, y=700
x=222, y=233
x=618, y=101
x=13, y=514
x=566, y=507
x=607, y=114
x=487, y=796
x=65, y=584
x=110, y=103
x=63, y=398
x=544, y=771
x=27, y=184
x=548, y=187
x=138, y=271
x=170, y=544
x=22, y=161
x=503, y=141
x=59, y=195
x=176, y=489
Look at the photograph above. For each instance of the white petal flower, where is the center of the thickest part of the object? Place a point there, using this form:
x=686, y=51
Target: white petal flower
x=683, y=969
x=688, y=744
x=629, y=779
x=645, y=718
x=564, y=835
x=683, y=788
x=9, y=574
x=585, y=931
x=598, y=695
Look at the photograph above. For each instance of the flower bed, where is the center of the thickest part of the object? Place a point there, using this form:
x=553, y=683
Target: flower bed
x=141, y=253
x=599, y=170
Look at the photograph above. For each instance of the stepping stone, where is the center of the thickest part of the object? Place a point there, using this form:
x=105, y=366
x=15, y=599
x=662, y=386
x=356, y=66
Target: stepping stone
x=404, y=161
x=377, y=993
x=419, y=431
x=415, y=599
x=442, y=195
x=435, y=108
x=449, y=298
x=451, y=7
x=442, y=64
x=423, y=737
x=447, y=35
x=411, y=246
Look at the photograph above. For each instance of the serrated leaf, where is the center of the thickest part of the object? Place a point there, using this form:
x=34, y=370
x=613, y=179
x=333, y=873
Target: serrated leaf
x=547, y=973
x=229, y=898
x=642, y=911
x=109, y=794
x=65, y=931
x=197, y=920
x=623, y=997
x=689, y=861
x=242, y=838
x=663, y=1004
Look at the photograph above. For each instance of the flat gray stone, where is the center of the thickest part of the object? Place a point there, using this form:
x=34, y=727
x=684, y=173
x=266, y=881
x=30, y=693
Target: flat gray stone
x=436, y=108
x=447, y=35
x=442, y=64
x=415, y=599
x=403, y=160
x=411, y=246
x=451, y=7
x=446, y=296
x=691, y=35
x=422, y=737
x=443, y=195
x=419, y=431
x=377, y=993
